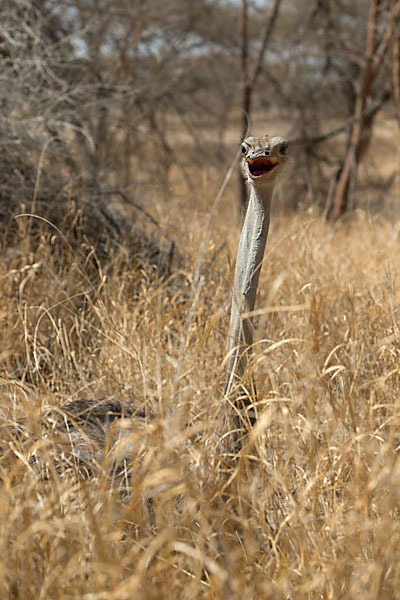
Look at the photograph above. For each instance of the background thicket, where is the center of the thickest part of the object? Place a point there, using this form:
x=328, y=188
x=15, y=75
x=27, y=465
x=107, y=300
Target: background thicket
x=119, y=121
x=123, y=99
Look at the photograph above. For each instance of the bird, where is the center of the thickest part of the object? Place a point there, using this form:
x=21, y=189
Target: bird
x=89, y=422
x=262, y=162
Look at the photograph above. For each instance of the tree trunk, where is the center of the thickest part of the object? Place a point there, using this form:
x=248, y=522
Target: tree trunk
x=396, y=62
x=249, y=80
x=361, y=128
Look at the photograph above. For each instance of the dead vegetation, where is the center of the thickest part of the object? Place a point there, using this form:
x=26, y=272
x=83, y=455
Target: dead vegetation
x=115, y=288
x=311, y=508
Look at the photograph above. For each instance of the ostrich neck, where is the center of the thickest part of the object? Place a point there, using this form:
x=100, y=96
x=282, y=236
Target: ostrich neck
x=248, y=266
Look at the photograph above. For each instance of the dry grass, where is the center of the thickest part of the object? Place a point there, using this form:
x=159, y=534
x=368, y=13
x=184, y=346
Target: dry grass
x=310, y=509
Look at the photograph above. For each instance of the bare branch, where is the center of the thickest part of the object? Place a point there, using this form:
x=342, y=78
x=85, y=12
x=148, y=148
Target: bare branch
x=269, y=27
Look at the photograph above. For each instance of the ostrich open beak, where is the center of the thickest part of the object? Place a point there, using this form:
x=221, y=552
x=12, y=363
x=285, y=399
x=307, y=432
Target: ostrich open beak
x=261, y=165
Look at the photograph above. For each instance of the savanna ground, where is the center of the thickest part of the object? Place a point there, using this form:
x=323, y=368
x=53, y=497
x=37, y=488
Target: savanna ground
x=309, y=509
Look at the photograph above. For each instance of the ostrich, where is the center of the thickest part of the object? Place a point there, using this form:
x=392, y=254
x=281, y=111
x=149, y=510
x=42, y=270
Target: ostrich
x=262, y=161
x=88, y=422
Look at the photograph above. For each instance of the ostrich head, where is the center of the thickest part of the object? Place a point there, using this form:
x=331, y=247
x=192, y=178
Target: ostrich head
x=263, y=159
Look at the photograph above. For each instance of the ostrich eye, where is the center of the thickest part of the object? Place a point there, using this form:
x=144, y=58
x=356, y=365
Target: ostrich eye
x=244, y=148
x=283, y=149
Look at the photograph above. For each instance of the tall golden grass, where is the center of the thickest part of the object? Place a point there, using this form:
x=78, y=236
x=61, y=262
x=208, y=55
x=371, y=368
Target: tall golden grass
x=309, y=509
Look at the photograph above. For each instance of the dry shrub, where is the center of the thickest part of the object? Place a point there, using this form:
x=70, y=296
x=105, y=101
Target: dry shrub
x=310, y=507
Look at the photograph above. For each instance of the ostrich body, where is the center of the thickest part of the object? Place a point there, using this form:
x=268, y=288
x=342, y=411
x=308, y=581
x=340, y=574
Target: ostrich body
x=263, y=160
